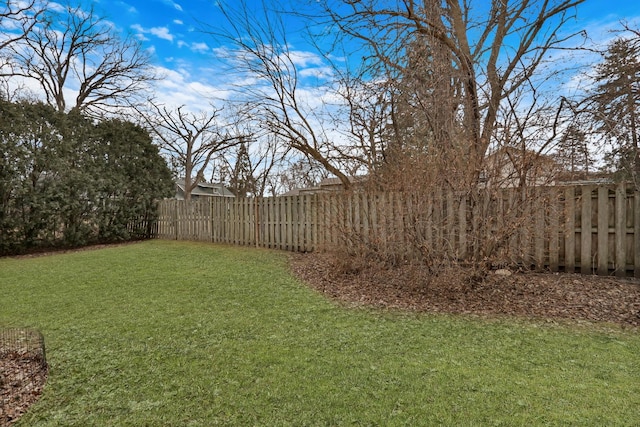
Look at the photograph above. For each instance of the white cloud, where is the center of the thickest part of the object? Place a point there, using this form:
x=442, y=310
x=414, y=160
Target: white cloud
x=303, y=58
x=140, y=32
x=178, y=22
x=123, y=5
x=317, y=72
x=179, y=87
x=55, y=7
x=599, y=34
x=199, y=47
x=224, y=52
x=308, y=64
x=160, y=32
x=173, y=4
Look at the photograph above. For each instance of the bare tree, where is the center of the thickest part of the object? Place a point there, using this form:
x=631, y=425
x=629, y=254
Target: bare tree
x=299, y=173
x=76, y=50
x=260, y=50
x=365, y=113
x=464, y=83
x=252, y=167
x=190, y=139
x=491, y=50
x=17, y=19
x=534, y=132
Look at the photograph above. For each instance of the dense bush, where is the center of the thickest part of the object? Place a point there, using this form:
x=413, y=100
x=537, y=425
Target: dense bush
x=66, y=180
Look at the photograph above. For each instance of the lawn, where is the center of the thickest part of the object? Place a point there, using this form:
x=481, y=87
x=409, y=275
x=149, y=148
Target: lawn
x=167, y=333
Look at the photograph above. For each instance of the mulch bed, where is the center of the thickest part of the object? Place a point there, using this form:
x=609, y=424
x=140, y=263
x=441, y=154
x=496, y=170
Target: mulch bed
x=549, y=296
x=22, y=376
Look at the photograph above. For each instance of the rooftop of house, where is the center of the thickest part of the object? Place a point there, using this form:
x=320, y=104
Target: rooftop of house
x=203, y=189
x=326, y=184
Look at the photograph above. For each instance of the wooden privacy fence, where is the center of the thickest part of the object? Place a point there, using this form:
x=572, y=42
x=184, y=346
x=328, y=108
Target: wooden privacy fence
x=591, y=229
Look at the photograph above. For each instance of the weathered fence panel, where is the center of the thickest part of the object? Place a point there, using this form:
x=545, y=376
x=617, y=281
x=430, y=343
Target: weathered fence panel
x=591, y=229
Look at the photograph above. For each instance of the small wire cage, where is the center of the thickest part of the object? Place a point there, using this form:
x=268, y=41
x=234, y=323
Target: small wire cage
x=23, y=370
x=23, y=343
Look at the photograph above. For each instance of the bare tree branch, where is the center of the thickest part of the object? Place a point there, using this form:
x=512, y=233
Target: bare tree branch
x=79, y=51
x=493, y=49
x=261, y=51
x=17, y=20
x=190, y=139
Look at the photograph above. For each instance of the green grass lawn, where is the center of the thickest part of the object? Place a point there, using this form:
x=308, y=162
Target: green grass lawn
x=186, y=334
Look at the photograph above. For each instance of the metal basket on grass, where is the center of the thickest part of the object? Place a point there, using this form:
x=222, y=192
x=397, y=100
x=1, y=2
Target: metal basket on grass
x=23, y=370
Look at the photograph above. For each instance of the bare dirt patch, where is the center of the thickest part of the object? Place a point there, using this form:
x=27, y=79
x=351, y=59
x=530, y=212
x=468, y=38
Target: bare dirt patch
x=550, y=296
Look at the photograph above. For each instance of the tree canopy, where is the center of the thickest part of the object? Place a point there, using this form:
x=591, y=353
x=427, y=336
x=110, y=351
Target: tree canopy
x=75, y=51
x=615, y=104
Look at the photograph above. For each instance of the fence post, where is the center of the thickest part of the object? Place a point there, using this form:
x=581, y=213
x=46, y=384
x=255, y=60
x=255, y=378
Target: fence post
x=570, y=230
x=256, y=214
x=540, y=199
x=175, y=218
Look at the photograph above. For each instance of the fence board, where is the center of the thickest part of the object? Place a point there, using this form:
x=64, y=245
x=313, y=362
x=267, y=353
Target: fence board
x=621, y=230
x=462, y=227
x=554, y=230
x=487, y=221
x=636, y=233
x=310, y=224
x=513, y=231
x=450, y=220
x=585, y=231
x=603, y=230
x=570, y=230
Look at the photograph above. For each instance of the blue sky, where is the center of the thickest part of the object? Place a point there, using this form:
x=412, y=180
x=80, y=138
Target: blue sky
x=171, y=29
